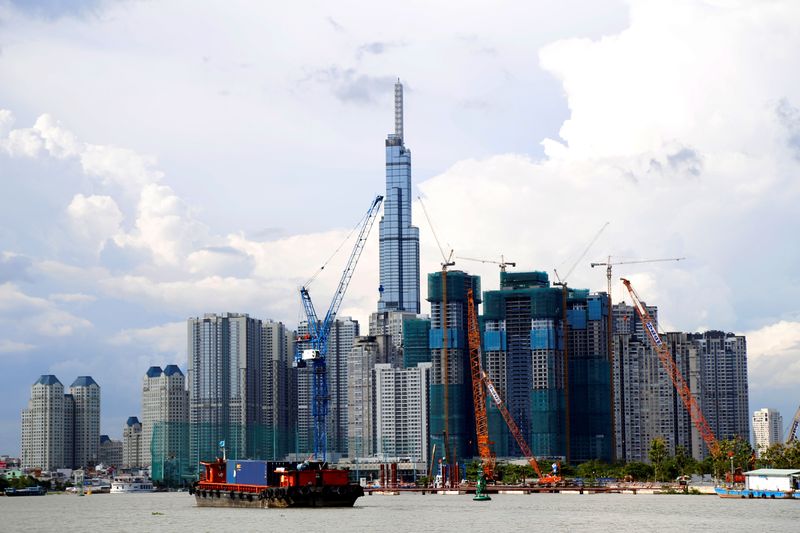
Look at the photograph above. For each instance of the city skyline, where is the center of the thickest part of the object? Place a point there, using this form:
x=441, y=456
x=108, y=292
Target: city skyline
x=201, y=181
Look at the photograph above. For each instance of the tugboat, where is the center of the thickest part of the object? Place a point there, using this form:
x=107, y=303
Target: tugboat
x=264, y=484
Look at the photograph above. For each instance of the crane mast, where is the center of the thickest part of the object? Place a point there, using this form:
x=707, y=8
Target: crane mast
x=674, y=373
x=478, y=395
x=319, y=331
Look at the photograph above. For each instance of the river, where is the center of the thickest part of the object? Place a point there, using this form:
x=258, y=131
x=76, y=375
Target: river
x=408, y=512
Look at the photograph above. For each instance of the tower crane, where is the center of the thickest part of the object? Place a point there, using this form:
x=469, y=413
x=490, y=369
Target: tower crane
x=562, y=282
x=447, y=261
x=674, y=373
x=316, y=355
x=793, y=428
x=610, y=331
x=502, y=263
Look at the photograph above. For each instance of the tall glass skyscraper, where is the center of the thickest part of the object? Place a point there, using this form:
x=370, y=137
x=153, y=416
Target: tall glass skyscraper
x=399, y=239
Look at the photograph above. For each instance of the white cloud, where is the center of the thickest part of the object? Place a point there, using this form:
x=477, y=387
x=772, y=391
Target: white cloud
x=12, y=347
x=95, y=219
x=165, y=339
x=25, y=314
x=74, y=297
x=773, y=354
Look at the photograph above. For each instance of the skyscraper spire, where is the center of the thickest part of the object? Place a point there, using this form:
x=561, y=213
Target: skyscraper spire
x=398, y=109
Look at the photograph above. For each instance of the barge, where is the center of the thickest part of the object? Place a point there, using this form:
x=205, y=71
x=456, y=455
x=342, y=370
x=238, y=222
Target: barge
x=262, y=484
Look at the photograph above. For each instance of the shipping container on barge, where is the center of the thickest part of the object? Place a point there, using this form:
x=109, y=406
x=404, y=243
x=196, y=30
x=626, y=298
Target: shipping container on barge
x=261, y=484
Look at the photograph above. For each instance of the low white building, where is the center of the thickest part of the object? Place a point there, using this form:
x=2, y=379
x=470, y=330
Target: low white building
x=773, y=479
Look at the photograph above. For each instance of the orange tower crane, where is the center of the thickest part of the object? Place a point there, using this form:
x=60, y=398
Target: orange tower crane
x=674, y=373
x=478, y=395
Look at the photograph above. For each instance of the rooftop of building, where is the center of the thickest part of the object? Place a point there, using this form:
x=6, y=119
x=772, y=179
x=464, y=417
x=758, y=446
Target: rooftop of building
x=83, y=381
x=132, y=421
x=170, y=370
x=104, y=438
x=153, y=372
x=47, y=379
x=774, y=472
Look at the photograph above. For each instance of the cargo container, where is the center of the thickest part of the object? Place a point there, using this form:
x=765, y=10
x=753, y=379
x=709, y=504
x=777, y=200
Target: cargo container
x=247, y=472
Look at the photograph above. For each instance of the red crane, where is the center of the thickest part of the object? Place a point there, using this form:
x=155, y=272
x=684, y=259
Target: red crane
x=479, y=398
x=674, y=373
x=479, y=381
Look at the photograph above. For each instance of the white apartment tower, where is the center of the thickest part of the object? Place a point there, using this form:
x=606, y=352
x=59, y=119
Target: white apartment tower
x=767, y=428
x=402, y=411
x=360, y=397
x=86, y=393
x=43, y=425
x=165, y=413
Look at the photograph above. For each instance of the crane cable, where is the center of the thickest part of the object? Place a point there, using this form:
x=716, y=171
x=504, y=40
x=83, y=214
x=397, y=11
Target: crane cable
x=336, y=251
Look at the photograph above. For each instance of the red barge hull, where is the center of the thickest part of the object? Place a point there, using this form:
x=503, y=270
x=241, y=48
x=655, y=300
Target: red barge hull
x=306, y=485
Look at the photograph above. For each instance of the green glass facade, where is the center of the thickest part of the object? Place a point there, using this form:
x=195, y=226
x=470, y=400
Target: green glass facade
x=460, y=414
x=415, y=341
x=523, y=353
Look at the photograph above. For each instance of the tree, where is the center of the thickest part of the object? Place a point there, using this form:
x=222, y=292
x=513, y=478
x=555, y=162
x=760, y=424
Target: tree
x=739, y=449
x=638, y=471
x=657, y=454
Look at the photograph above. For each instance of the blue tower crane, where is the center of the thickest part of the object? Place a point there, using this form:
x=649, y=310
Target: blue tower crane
x=318, y=336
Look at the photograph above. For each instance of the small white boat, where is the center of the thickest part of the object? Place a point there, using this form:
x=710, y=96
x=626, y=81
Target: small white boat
x=126, y=484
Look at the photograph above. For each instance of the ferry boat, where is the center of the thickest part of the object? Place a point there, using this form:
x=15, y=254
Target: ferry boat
x=36, y=490
x=127, y=484
x=261, y=484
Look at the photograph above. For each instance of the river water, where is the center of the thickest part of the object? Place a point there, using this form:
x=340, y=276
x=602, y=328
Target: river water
x=408, y=513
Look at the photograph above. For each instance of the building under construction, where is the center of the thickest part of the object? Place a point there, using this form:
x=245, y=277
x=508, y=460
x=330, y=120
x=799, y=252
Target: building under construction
x=558, y=392
x=451, y=387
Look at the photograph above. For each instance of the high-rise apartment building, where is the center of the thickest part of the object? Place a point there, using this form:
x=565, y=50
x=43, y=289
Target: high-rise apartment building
x=451, y=407
x=402, y=412
x=43, y=425
x=767, y=429
x=399, y=240
x=110, y=451
x=61, y=430
x=714, y=366
x=86, y=393
x=561, y=411
x=725, y=396
x=225, y=363
x=165, y=417
x=391, y=323
x=132, y=443
x=278, y=410
x=416, y=341
x=363, y=357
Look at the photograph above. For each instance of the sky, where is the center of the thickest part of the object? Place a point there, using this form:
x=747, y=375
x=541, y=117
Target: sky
x=162, y=160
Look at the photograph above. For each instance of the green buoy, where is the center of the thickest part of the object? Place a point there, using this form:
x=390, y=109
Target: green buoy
x=480, y=488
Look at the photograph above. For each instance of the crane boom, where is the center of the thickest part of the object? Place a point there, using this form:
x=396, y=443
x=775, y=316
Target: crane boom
x=674, y=373
x=515, y=431
x=318, y=334
x=478, y=395
x=793, y=428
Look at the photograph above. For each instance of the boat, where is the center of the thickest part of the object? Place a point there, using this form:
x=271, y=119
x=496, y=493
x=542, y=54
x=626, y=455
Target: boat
x=27, y=491
x=772, y=483
x=741, y=492
x=262, y=484
x=128, y=484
